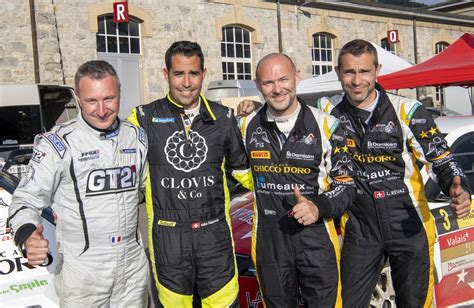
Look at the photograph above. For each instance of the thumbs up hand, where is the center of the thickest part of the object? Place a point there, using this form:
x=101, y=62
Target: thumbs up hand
x=460, y=199
x=305, y=211
x=36, y=247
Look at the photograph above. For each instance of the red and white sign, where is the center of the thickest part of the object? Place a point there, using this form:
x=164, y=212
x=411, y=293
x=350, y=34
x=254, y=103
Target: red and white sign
x=120, y=12
x=456, y=288
x=392, y=36
x=456, y=238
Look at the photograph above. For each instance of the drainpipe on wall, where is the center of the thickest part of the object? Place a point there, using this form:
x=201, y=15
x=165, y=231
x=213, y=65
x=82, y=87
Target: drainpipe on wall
x=34, y=41
x=280, y=45
x=415, y=53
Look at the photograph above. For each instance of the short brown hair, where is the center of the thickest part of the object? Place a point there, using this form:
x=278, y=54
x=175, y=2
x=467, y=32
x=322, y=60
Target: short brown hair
x=356, y=48
x=95, y=69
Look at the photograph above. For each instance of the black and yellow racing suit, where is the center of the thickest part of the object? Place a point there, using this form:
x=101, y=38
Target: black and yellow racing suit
x=188, y=201
x=313, y=157
x=391, y=218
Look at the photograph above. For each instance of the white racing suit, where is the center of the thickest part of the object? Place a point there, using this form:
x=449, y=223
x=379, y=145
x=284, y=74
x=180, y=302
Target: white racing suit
x=91, y=180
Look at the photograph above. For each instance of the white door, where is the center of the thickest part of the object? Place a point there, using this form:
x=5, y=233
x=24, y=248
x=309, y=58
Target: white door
x=128, y=70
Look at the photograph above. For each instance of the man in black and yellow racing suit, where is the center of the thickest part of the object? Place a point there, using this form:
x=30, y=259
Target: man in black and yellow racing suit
x=389, y=138
x=302, y=176
x=193, y=142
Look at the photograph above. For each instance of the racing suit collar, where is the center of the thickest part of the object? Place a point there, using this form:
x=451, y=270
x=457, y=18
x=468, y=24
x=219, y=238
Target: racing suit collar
x=102, y=133
x=205, y=109
x=362, y=114
x=298, y=130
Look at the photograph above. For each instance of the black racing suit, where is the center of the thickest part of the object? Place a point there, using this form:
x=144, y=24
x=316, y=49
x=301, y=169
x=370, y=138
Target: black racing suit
x=188, y=201
x=391, y=218
x=287, y=255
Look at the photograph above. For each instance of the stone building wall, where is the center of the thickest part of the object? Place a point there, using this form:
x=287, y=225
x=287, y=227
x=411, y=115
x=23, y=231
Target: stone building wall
x=65, y=39
x=16, y=64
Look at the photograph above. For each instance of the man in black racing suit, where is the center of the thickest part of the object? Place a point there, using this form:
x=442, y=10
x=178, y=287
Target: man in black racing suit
x=192, y=143
x=302, y=177
x=388, y=137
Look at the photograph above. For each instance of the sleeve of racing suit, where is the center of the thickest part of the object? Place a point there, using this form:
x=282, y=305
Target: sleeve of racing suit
x=430, y=148
x=237, y=159
x=339, y=192
x=35, y=190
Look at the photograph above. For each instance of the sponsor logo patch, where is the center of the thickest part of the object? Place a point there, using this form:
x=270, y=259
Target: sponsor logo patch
x=163, y=120
x=382, y=194
x=128, y=151
x=166, y=223
x=186, y=154
x=281, y=169
x=259, y=137
x=56, y=143
x=297, y=156
x=30, y=174
x=142, y=136
x=269, y=212
x=140, y=111
x=38, y=156
x=381, y=145
x=85, y=156
x=343, y=165
x=112, y=180
x=371, y=159
x=110, y=135
x=346, y=123
x=308, y=139
x=390, y=127
x=350, y=143
x=261, y=183
x=260, y=154
x=418, y=121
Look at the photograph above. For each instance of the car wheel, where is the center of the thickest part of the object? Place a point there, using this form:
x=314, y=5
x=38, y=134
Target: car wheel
x=383, y=295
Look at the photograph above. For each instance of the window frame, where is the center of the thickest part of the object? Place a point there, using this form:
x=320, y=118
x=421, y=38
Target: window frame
x=392, y=48
x=232, y=64
x=319, y=66
x=103, y=23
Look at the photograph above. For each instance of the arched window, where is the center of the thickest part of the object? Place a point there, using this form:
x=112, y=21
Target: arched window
x=236, y=53
x=439, y=47
x=121, y=37
x=321, y=54
x=387, y=46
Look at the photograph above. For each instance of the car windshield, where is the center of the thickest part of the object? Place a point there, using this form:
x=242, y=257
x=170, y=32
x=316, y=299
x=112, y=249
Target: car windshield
x=19, y=124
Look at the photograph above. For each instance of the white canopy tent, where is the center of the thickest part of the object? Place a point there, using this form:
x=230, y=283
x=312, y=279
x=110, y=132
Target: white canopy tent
x=328, y=83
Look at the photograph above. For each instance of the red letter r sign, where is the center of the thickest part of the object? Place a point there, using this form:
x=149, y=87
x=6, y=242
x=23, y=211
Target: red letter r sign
x=120, y=12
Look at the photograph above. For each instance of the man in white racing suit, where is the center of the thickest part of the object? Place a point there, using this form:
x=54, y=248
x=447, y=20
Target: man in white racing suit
x=89, y=171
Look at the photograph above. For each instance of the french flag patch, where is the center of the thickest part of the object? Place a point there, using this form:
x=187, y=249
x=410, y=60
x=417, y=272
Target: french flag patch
x=115, y=239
